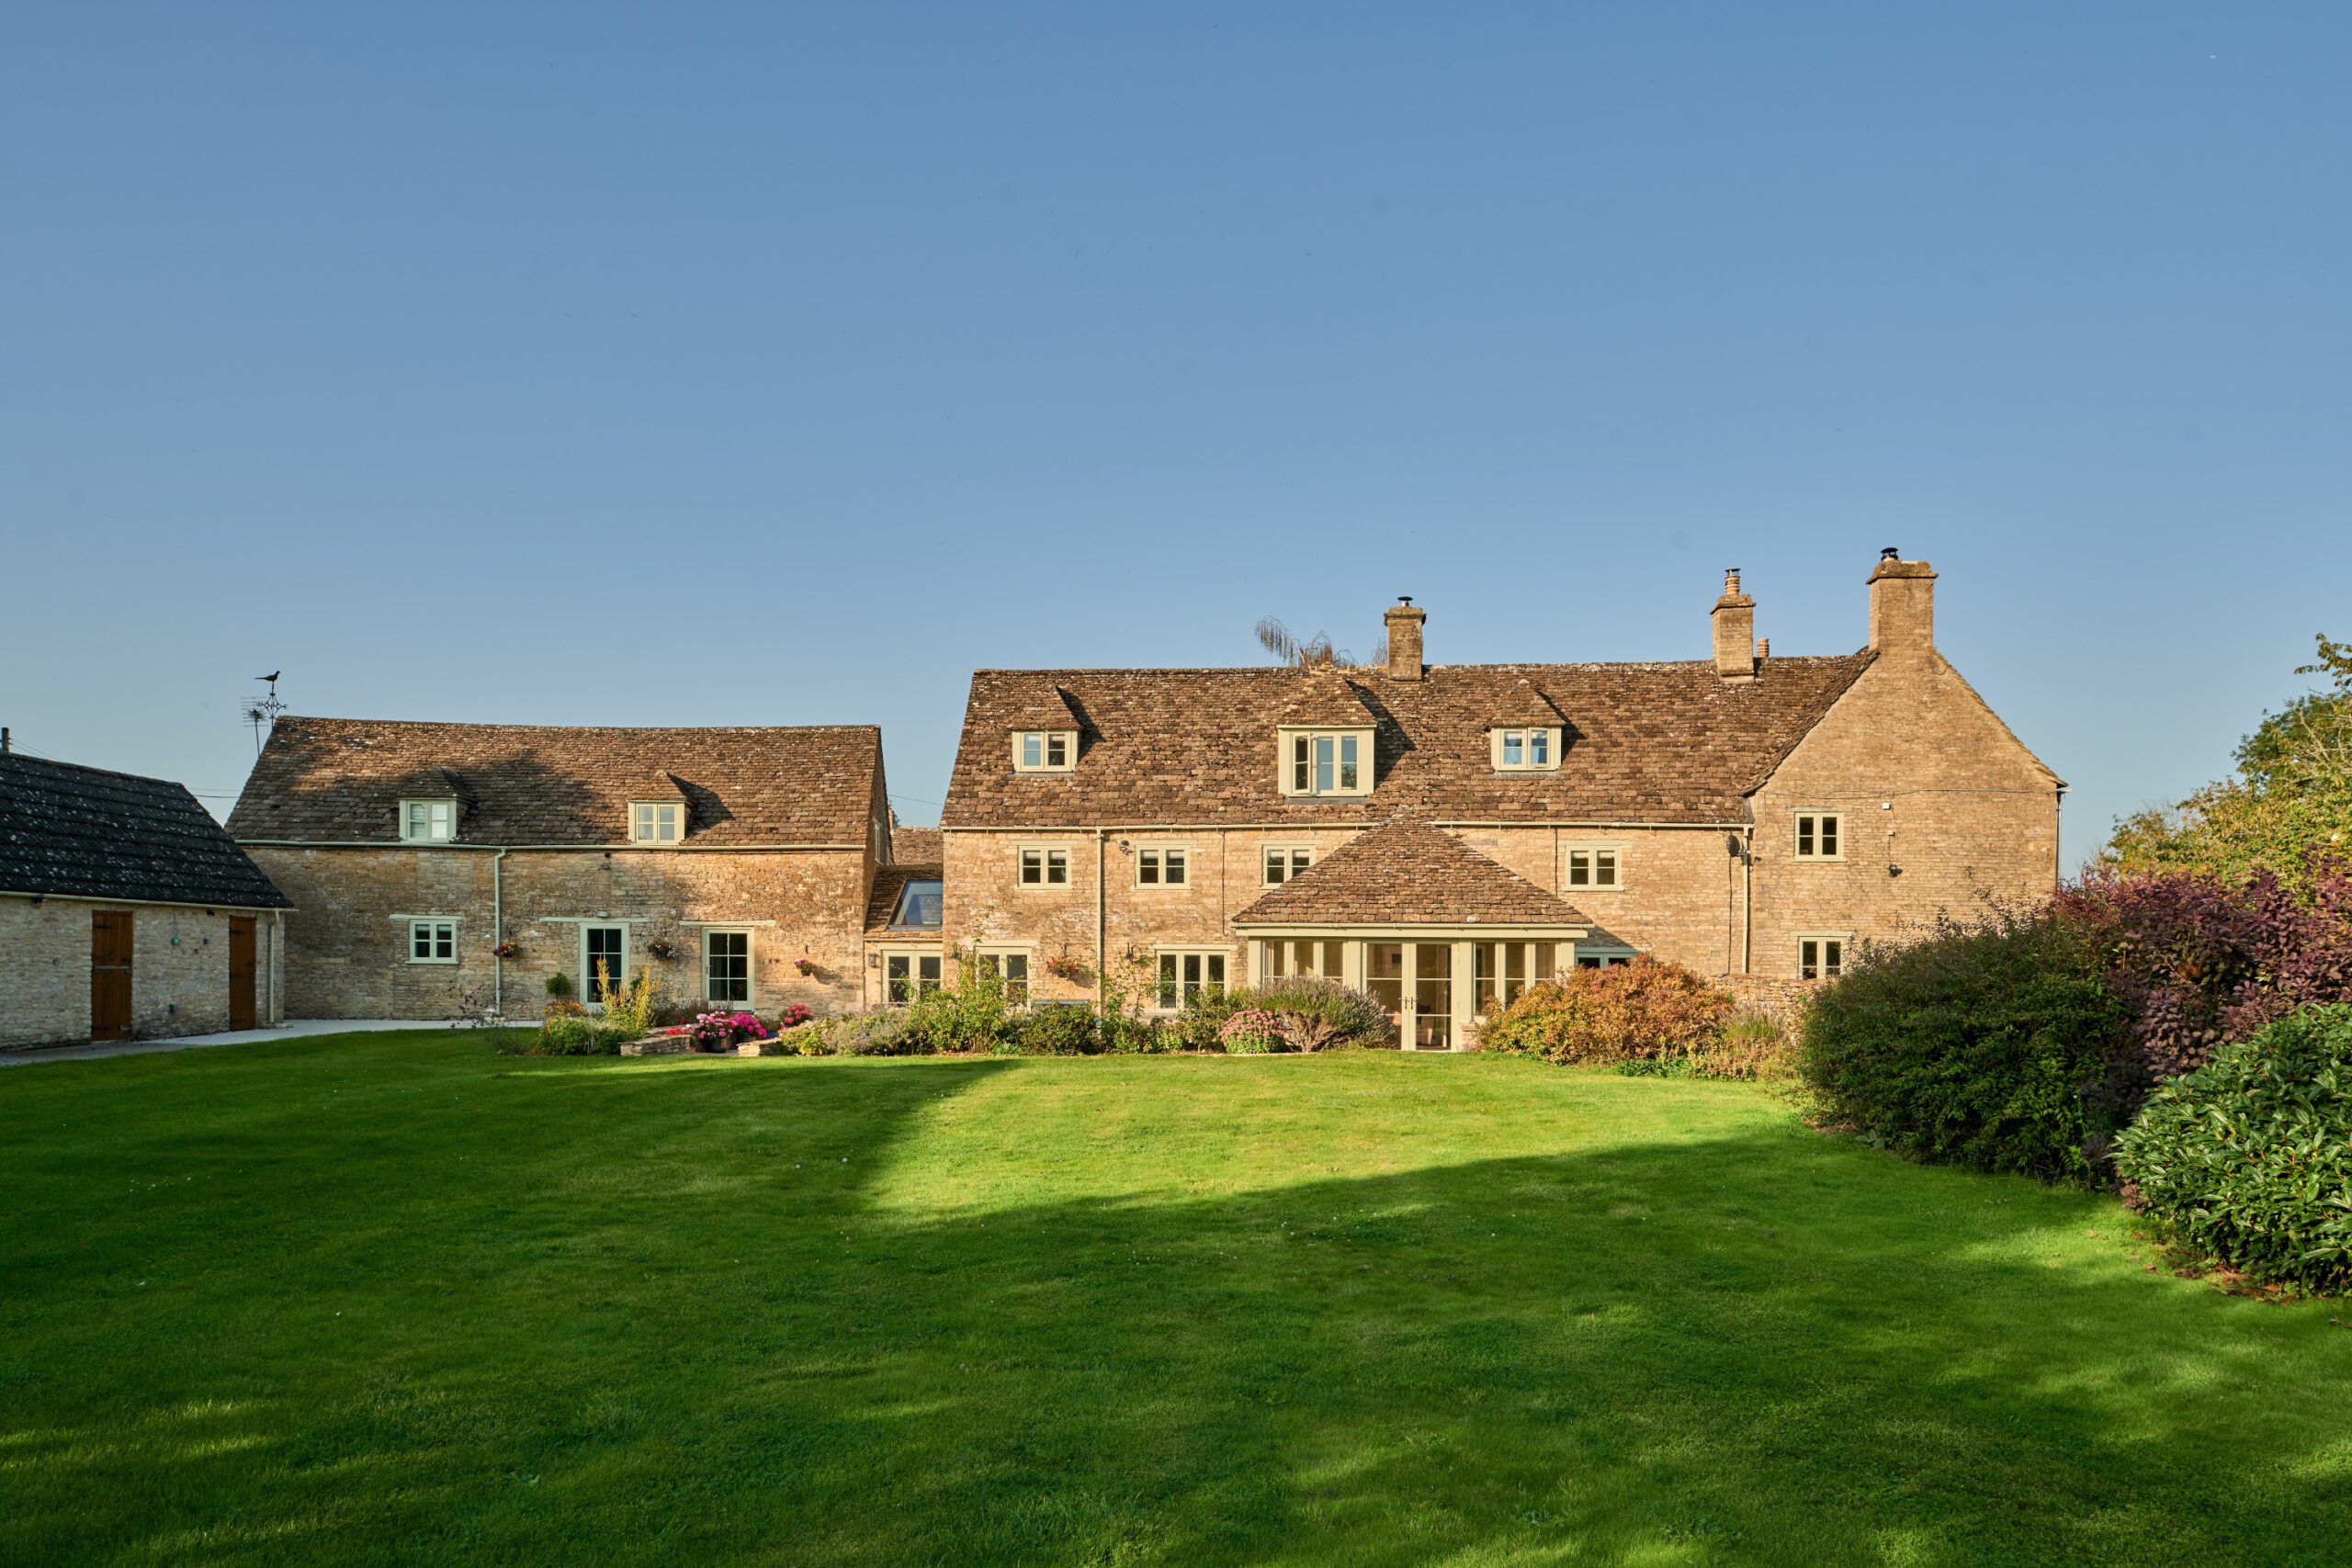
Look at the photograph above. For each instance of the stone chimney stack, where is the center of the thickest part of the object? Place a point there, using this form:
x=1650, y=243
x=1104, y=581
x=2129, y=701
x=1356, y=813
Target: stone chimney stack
x=1734, y=618
x=1405, y=639
x=1903, y=604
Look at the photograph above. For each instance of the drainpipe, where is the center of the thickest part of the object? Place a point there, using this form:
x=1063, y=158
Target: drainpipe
x=1746, y=899
x=1101, y=908
x=497, y=939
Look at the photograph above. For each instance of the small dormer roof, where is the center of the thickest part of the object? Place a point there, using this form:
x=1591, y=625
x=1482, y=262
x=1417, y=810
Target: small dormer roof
x=1525, y=705
x=1046, y=709
x=1325, y=697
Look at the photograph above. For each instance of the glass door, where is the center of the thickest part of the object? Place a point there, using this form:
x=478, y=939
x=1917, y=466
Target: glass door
x=1383, y=976
x=1433, y=996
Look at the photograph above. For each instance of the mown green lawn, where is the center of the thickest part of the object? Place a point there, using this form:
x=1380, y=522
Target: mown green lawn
x=393, y=1298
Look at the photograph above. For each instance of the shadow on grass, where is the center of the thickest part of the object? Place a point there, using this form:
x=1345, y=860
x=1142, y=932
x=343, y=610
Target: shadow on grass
x=670, y=1322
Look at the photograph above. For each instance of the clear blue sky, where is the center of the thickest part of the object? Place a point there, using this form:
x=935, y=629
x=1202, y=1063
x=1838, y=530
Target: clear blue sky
x=705, y=365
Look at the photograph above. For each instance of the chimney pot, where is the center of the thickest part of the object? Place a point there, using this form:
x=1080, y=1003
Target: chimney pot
x=1404, y=623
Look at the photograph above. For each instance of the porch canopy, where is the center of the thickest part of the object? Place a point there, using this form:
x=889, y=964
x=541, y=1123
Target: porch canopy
x=1420, y=919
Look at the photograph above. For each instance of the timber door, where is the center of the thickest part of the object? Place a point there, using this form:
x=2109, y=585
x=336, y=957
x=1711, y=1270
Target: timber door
x=110, y=974
x=241, y=971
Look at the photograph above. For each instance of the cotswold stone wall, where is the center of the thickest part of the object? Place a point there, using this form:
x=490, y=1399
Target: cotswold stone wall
x=347, y=937
x=1944, y=811
x=179, y=971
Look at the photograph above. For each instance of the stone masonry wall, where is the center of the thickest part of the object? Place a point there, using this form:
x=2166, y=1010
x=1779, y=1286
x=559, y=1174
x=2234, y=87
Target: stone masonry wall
x=347, y=954
x=179, y=971
x=1944, y=811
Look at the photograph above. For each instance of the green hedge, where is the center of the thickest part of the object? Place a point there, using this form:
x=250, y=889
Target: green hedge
x=2249, y=1158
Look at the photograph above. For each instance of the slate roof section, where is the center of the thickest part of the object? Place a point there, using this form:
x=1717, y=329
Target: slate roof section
x=342, y=780
x=1323, y=696
x=1668, y=742
x=71, y=831
x=916, y=846
x=1409, y=874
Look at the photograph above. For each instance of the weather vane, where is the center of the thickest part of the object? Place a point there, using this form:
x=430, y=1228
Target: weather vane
x=263, y=714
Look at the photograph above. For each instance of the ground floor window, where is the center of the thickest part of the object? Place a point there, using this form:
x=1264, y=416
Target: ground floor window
x=727, y=967
x=433, y=942
x=1602, y=960
x=1820, y=957
x=907, y=976
x=1415, y=982
x=1504, y=969
x=1183, y=976
x=604, y=959
x=1011, y=965
x=1287, y=960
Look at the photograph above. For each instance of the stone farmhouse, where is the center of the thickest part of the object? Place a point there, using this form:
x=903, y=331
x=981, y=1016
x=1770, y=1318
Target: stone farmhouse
x=1442, y=835
x=126, y=911
x=445, y=868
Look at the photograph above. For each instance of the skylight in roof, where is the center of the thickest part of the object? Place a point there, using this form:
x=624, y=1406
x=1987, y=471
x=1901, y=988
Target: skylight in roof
x=918, y=905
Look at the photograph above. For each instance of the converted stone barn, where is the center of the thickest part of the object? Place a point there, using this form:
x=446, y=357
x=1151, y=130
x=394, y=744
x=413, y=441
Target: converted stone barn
x=1443, y=834
x=126, y=911
x=438, y=869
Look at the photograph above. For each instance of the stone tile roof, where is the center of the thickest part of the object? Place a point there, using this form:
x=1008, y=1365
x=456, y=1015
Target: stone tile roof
x=68, y=830
x=888, y=884
x=340, y=781
x=1409, y=874
x=919, y=846
x=1640, y=742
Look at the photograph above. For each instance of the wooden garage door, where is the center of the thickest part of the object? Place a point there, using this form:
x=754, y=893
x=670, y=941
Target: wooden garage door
x=110, y=975
x=241, y=971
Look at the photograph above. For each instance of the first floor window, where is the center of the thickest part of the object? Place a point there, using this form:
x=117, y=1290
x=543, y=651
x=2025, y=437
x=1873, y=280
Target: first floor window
x=1523, y=748
x=1044, y=868
x=1183, y=976
x=1593, y=868
x=429, y=821
x=1284, y=861
x=1161, y=868
x=1817, y=835
x=909, y=976
x=1325, y=764
x=1045, y=751
x=727, y=967
x=1010, y=967
x=1820, y=957
x=432, y=942
x=656, y=823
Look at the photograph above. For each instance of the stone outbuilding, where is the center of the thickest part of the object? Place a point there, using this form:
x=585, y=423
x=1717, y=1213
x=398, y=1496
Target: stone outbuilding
x=448, y=869
x=126, y=912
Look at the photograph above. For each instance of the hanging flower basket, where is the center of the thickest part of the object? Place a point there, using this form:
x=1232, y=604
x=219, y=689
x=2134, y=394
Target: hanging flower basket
x=1064, y=967
x=806, y=966
x=507, y=949
x=660, y=950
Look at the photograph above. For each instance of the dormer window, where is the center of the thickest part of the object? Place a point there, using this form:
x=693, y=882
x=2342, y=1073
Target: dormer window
x=655, y=821
x=1327, y=762
x=428, y=821
x=1045, y=751
x=1528, y=748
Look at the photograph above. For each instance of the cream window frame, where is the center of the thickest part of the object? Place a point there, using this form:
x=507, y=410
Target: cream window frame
x=1159, y=854
x=917, y=985
x=435, y=924
x=1223, y=956
x=1045, y=738
x=1821, y=961
x=448, y=808
x=1798, y=834
x=1290, y=737
x=997, y=952
x=750, y=964
x=1594, y=849
x=1291, y=868
x=1526, y=733
x=672, y=811
x=1044, y=853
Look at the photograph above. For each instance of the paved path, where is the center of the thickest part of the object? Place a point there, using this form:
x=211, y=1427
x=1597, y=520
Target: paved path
x=290, y=1029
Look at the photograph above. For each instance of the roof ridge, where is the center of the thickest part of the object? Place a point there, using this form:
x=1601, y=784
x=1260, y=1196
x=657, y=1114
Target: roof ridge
x=14, y=756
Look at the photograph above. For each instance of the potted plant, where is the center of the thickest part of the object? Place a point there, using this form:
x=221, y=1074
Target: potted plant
x=507, y=949
x=806, y=966
x=1062, y=966
x=661, y=949
x=559, y=985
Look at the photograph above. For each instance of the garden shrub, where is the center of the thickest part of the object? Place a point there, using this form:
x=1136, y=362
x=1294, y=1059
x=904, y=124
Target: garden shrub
x=1130, y=1032
x=2249, y=1158
x=884, y=1031
x=1196, y=1027
x=1251, y=1031
x=1060, y=1030
x=559, y=985
x=1628, y=1011
x=1983, y=1045
x=723, y=1031
x=1317, y=1015
x=2200, y=963
x=974, y=1014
